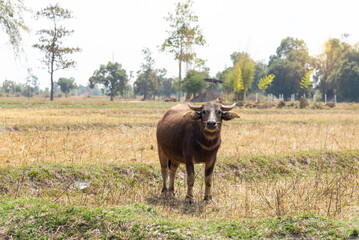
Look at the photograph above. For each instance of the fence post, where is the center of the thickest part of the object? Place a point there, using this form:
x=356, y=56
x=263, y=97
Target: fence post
x=256, y=97
x=314, y=98
x=325, y=98
x=335, y=99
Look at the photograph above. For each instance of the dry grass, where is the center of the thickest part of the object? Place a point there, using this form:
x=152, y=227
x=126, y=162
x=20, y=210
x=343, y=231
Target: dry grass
x=127, y=135
x=100, y=135
x=276, y=133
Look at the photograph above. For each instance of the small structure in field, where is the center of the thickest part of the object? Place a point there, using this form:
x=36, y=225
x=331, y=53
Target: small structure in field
x=211, y=93
x=171, y=99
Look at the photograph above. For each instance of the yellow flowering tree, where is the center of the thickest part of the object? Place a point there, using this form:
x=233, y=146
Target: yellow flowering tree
x=265, y=81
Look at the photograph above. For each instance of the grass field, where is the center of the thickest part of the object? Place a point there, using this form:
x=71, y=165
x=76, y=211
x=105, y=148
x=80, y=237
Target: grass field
x=281, y=173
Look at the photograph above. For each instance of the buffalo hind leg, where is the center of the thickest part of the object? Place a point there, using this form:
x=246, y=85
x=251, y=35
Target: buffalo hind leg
x=190, y=181
x=173, y=169
x=208, y=179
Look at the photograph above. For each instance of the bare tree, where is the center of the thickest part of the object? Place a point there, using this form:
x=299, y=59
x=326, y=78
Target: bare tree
x=50, y=42
x=184, y=34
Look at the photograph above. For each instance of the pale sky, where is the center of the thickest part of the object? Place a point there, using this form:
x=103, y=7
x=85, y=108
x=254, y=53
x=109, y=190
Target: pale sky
x=121, y=29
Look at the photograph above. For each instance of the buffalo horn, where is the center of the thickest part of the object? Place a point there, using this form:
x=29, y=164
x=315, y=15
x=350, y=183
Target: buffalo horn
x=227, y=108
x=195, y=108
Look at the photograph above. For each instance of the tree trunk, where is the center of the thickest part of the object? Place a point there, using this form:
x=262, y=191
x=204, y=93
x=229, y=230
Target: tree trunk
x=52, y=85
x=242, y=95
x=52, y=73
x=54, y=40
x=239, y=96
x=179, y=81
x=111, y=95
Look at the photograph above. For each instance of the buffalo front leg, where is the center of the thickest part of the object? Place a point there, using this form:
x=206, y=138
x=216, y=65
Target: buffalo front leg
x=190, y=181
x=173, y=169
x=208, y=179
x=164, y=170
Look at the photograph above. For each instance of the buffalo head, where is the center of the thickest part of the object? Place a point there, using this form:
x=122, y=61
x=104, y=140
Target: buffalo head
x=211, y=115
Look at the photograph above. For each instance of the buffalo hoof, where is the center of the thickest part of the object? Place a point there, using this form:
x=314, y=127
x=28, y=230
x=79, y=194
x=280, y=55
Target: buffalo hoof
x=170, y=194
x=164, y=193
x=189, y=200
x=207, y=198
x=209, y=201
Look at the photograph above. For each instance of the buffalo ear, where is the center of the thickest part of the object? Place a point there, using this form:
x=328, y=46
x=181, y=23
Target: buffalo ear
x=229, y=115
x=193, y=115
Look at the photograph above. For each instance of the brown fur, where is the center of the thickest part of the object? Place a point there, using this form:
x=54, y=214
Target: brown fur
x=183, y=138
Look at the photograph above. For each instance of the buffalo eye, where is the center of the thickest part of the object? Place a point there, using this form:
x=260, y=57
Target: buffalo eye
x=218, y=112
x=204, y=111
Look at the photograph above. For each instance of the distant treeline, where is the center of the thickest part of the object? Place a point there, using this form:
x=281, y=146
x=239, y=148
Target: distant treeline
x=290, y=71
x=334, y=72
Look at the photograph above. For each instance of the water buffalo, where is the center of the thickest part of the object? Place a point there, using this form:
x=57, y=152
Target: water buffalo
x=191, y=135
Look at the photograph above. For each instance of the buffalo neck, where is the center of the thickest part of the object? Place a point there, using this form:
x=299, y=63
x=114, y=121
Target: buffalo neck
x=209, y=140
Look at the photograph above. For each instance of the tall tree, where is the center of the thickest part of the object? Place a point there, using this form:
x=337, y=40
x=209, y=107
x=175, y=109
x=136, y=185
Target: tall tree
x=12, y=21
x=146, y=84
x=112, y=77
x=184, y=34
x=193, y=83
x=345, y=76
x=233, y=80
x=289, y=65
x=242, y=74
x=67, y=85
x=333, y=49
x=51, y=42
x=149, y=78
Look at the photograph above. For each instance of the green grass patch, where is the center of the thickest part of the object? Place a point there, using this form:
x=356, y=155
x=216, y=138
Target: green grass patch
x=52, y=179
x=122, y=201
x=300, y=163
x=38, y=219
